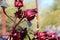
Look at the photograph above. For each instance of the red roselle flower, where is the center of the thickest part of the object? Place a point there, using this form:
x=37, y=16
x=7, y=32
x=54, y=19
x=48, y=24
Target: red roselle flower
x=19, y=14
x=30, y=14
x=52, y=35
x=18, y=3
x=45, y=35
x=42, y=35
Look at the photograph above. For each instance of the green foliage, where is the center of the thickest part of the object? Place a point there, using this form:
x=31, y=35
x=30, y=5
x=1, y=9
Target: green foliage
x=52, y=17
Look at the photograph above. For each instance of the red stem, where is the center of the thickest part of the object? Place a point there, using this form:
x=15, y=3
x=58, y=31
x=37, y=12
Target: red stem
x=7, y=15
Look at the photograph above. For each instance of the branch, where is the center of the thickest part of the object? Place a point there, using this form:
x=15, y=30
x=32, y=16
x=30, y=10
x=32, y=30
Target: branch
x=7, y=15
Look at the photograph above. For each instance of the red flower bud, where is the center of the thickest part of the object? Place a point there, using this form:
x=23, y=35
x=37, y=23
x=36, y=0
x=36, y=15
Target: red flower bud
x=30, y=14
x=18, y=3
x=19, y=14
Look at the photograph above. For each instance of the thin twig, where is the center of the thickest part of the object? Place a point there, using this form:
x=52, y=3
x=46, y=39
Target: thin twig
x=7, y=15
